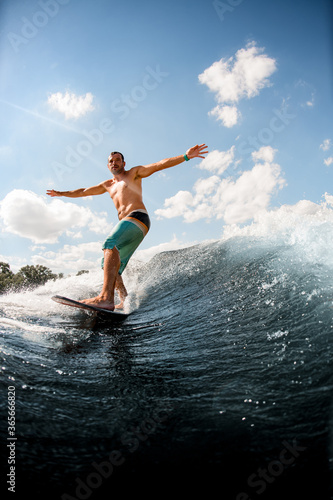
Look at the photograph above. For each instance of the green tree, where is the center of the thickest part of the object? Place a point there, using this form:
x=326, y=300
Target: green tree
x=83, y=271
x=5, y=269
x=26, y=277
x=34, y=275
x=6, y=277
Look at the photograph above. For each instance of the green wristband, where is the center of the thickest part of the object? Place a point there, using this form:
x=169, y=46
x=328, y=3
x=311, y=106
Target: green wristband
x=186, y=158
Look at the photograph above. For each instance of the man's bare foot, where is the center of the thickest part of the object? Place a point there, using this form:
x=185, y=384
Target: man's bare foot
x=99, y=302
x=121, y=290
x=120, y=305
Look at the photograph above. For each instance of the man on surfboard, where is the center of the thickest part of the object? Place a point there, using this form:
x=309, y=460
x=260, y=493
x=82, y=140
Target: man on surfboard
x=125, y=190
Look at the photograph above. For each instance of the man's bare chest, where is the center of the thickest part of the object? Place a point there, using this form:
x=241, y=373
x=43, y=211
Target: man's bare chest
x=122, y=189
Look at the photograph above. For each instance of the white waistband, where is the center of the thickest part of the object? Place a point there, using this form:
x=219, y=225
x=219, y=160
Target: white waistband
x=139, y=210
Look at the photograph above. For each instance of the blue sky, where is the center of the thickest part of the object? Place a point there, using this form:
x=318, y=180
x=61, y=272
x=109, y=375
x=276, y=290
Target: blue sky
x=250, y=78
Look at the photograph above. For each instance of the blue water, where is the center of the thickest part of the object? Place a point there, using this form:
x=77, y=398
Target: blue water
x=219, y=381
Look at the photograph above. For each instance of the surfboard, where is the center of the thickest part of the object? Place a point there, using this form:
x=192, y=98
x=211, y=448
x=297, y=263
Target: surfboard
x=112, y=315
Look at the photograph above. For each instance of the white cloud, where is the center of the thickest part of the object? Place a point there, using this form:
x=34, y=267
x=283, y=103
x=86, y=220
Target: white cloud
x=176, y=205
x=31, y=216
x=325, y=146
x=204, y=187
x=328, y=199
x=234, y=201
x=71, y=258
x=236, y=78
x=15, y=262
x=228, y=115
x=71, y=105
x=218, y=161
x=241, y=200
x=265, y=153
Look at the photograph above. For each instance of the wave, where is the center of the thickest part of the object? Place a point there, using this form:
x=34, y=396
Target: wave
x=294, y=239
x=234, y=335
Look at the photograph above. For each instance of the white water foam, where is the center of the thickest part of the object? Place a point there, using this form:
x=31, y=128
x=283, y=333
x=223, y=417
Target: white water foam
x=37, y=303
x=306, y=226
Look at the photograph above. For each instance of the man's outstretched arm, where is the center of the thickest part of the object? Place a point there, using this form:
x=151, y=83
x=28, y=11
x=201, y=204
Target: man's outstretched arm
x=78, y=193
x=198, y=151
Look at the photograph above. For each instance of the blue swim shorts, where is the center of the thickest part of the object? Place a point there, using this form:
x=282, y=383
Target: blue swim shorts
x=127, y=236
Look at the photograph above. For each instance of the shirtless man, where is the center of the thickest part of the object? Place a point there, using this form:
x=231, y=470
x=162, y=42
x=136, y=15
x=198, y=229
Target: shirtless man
x=125, y=190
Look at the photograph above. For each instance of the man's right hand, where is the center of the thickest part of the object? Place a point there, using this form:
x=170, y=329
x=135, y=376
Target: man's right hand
x=52, y=192
x=78, y=193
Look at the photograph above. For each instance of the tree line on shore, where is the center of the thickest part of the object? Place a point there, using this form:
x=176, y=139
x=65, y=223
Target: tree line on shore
x=28, y=277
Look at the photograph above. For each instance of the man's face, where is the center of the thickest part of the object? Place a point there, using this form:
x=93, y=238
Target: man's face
x=116, y=164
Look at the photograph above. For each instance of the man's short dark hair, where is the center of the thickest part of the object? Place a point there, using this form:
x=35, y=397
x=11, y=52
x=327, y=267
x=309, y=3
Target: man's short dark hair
x=117, y=152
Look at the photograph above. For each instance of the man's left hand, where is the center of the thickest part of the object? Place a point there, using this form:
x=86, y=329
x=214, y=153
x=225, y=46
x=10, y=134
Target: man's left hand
x=197, y=151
